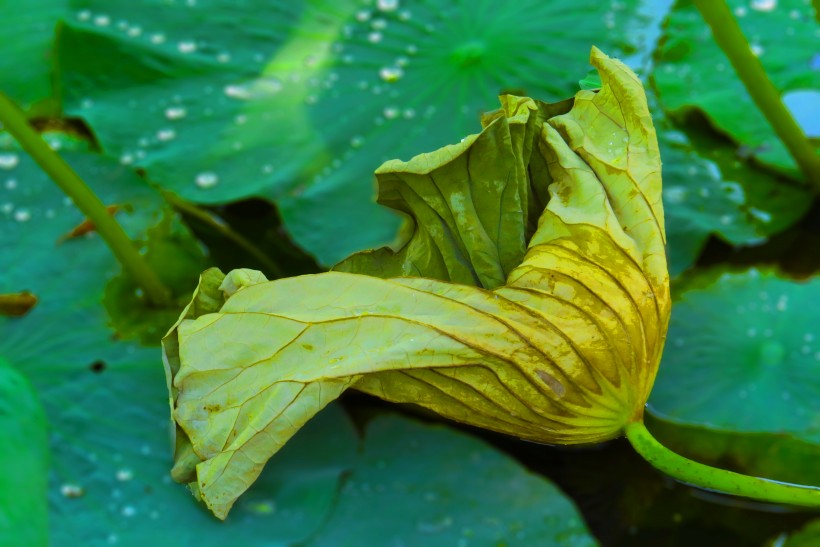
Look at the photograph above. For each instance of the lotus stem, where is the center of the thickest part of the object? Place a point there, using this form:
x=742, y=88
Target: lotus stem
x=712, y=478
x=14, y=121
x=729, y=36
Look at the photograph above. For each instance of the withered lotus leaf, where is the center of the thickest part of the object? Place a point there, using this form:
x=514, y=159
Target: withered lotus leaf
x=530, y=297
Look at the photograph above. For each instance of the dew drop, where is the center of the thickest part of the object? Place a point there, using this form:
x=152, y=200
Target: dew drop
x=157, y=38
x=133, y=32
x=166, y=135
x=363, y=15
x=223, y=57
x=411, y=49
x=71, y=490
x=22, y=215
x=7, y=208
x=390, y=112
x=757, y=50
x=186, y=46
x=391, y=74
x=740, y=11
x=11, y=184
x=8, y=160
x=124, y=475
x=129, y=511
x=374, y=37
x=378, y=24
x=84, y=15
x=102, y=20
x=764, y=5
x=387, y=5
x=175, y=112
x=357, y=142
x=207, y=179
x=237, y=92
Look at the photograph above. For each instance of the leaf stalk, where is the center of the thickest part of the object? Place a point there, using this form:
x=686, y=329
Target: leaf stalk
x=15, y=122
x=712, y=478
x=729, y=36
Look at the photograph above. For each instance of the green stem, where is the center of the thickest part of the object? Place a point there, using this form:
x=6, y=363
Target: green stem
x=14, y=121
x=273, y=269
x=730, y=38
x=712, y=478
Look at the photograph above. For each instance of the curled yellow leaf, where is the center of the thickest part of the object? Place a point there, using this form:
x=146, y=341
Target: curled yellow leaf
x=550, y=333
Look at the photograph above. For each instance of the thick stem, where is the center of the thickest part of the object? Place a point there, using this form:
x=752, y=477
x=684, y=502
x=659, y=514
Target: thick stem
x=730, y=38
x=14, y=121
x=712, y=478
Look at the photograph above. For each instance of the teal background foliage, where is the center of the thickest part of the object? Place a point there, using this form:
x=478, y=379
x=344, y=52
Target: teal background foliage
x=224, y=131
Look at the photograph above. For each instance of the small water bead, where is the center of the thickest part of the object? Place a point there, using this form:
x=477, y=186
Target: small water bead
x=390, y=112
x=409, y=113
x=8, y=160
x=186, y=46
x=84, y=15
x=675, y=194
x=357, y=142
x=740, y=11
x=157, y=38
x=207, y=179
x=267, y=169
x=387, y=5
x=764, y=5
x=405, y=15
x=374, y=37
x=378, y=24
x=22, y=215
x=102, y=20
x=757, y=49
x=7, y=208
x=223, y=57
x=363, y=15
x=411, y=49
x=70, y=490
x=166, y=135
x=11, y=184
x=124, y=475
x=237, y=92
x=175, y=112
x=134, y=31
x=129, y=511
x=311, y=99
x=391, y=74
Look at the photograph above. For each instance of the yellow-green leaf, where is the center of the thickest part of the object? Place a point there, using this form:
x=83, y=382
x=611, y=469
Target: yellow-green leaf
x=556, y=343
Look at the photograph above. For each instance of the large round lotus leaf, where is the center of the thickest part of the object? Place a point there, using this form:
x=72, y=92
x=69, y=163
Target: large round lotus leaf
x=445, y=488
x=693, y=73
x=742, y=356
x=708, y=190
x=106, y=400
x=23, y=462
x=300, y=101
x=26, y=35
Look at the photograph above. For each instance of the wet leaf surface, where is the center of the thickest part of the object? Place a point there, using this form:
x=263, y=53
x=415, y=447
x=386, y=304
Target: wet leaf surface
x=300, y=102
x=693, y=73
x=744, y=341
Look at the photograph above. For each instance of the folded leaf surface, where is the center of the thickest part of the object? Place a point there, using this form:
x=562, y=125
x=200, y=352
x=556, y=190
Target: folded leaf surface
x=552, y=336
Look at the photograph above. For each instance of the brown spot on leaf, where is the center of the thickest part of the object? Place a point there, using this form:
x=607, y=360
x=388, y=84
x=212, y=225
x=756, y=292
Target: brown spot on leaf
x=215, y=407
x=556, y=386
x=17, y=304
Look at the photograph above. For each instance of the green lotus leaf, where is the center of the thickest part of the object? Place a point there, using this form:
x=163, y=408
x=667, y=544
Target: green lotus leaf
x=555, y=339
